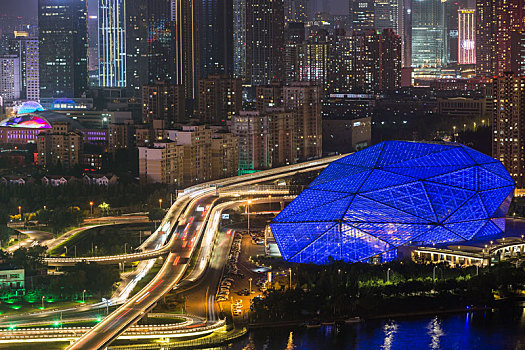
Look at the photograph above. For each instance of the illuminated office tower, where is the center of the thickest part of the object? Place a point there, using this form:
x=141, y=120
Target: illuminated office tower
x=386, y=14
x=239, y=39
x=362, y=15
x=63, y=48
x=265, y=41
x=486, y=29
x=508, y=124
x=216, y=37
x=429, y=39
x=467, y=36
x=112, y=46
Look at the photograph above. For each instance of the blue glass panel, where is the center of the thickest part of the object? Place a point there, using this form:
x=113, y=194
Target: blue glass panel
x=292, y=238
x=446, y=199
x=350, y=184
x=329, y=244
x=498, y=169
x=465, y=178
x=367, y=210
x=466, y=229
x=332, y=211
x=411, y=198
x=389, y=256
x=488, y=180
x=365, y=158
x=478, y=157
x=381, y=179
x=307, y=200
x=504, y=207
x=400, y=151
x=395, y=234
x=440, y=235
x=337, y=171
x=473, y=209
x=500, y=223
x=494, y=198
x=426, y=172
x=489, y=230
x=358, y=246
x=451, y=157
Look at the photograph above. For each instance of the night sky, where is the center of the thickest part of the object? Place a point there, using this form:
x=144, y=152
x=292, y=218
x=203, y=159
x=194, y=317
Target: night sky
x=28, y=7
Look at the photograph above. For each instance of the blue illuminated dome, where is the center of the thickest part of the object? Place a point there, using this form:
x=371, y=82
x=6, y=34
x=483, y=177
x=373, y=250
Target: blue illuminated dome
x=30, y=107
x=369, y=203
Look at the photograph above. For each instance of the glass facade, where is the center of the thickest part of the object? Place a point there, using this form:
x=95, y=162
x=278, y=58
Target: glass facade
x=395, y=193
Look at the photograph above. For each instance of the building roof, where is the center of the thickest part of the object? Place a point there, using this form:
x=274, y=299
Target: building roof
x=369, y=203
x=39, y=120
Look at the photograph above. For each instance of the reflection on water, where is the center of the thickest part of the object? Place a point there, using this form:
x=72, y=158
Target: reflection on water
x=390, y=330
x=484, y=330
x=435, y=332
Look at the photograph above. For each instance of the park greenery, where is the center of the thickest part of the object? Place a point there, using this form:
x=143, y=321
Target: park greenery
x=120, y=198
x=340, y=290
x=93, y=278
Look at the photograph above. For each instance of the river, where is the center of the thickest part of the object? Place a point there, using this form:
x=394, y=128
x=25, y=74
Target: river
x=484, y=330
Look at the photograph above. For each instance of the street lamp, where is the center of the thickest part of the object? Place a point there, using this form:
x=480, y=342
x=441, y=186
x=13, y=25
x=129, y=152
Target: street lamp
x=160, y=203
x=91, y=205
x=248, y=209
x=290, y=271
x=83, y=292
x=270, y=200
x=250, y=279
x=20, y=212
x=125, y=245
x=388, y=275
x=434, y=274
x=43, y=297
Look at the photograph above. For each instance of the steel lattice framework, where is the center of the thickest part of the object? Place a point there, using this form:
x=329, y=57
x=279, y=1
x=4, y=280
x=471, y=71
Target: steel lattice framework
x=369, y=203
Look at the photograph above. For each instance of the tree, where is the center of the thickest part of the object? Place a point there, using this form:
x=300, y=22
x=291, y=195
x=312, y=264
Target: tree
x=156, y=214
x=105, y=208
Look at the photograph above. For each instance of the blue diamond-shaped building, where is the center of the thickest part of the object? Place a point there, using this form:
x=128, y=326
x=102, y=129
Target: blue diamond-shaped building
x=365, y=205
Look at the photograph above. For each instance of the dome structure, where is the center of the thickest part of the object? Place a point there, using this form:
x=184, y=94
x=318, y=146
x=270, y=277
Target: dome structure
x=369, y=203
x=30, y=107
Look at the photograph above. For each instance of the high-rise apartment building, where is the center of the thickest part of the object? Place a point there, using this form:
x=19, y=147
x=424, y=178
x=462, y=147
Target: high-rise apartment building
x=63, y=48
x=9, y=78
x=112, y=46
x=486, y=30
x=26, y=48
x=59, y=146
x=195, y=154
x=264, y=41
x=508, y=125
x=429, y=38
x=304, y=100
x=163, y=101
x=467, y=36
x=220, y=98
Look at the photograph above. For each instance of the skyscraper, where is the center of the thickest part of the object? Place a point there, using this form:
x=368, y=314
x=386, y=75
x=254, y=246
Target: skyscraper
x=9, y=78
x=508, y=125
x=386, y=15
x=26, y=48
x=362, y=15
x=186, y=39
x=264, y=41
x=239, y=39
x=63, y=48
x=216, y=37
x=467, y=36
x=295, y=11
x=112, y=46
x=149, y=44
x=486, y=30
x=429, y=39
